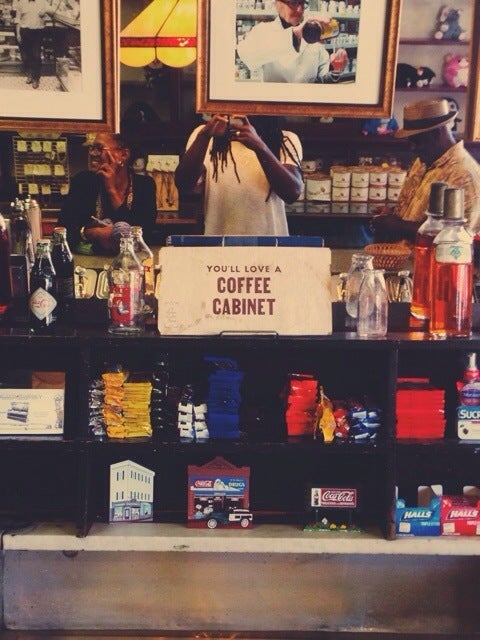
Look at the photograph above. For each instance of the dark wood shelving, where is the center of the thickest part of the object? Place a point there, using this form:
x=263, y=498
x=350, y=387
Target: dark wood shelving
x=434, y=42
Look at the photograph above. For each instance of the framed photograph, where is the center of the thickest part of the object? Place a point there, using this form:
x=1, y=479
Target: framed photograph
x=472, y=129
x=60, y=76
x=250, y=62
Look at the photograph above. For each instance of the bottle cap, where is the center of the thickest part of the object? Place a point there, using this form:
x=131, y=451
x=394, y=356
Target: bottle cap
x=453, y=203
x=471, y=372
x=436, y=202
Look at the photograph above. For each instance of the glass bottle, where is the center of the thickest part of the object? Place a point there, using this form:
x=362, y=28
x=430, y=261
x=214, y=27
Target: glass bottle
x=372, y=305
x=360, y=262
x=423, y=251
x=20, y=233
x=42, y=302
x=452, y=272
x=64, y=269
x=145, y=257
x=125, y=286
x=6, y=292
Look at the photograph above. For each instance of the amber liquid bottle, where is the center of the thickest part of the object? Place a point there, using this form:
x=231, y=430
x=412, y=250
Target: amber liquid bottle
x=422, y=253
x=452, y=273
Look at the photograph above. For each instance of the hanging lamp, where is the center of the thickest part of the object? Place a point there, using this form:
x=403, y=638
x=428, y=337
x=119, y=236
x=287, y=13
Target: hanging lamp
x=165, y=31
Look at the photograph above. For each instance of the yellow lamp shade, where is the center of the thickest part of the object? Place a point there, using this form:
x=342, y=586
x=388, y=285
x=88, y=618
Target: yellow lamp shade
x=165, y=31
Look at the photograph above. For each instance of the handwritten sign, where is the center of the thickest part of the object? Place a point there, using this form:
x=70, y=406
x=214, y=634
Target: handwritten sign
x=213, y=290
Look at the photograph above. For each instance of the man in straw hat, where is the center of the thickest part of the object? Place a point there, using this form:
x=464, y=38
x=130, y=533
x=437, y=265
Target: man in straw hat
x=428, y=125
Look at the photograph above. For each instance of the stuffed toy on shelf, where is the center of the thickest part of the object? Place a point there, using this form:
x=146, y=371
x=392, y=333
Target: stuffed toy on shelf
x=456, y=70
x=410, y=76
x=448, y=25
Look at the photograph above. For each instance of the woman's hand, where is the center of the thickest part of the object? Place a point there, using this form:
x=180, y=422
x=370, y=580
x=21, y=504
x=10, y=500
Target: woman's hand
x=102, y=235
x=242, y=131
x=216, y=127
x=108, y=169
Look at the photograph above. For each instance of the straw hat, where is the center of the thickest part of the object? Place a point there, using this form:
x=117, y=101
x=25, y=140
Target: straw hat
x=423, y=116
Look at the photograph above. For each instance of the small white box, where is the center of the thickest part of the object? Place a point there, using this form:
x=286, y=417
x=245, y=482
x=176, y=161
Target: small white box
x=31, y=411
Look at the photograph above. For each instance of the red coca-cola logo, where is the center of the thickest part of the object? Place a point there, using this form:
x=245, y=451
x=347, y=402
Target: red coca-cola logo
x=203, y=484
x=331, y=497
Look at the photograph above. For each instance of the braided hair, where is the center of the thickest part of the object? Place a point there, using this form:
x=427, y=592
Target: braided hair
x=269, y=128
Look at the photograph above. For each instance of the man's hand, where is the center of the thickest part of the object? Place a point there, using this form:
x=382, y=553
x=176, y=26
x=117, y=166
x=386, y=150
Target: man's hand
x=339, y=60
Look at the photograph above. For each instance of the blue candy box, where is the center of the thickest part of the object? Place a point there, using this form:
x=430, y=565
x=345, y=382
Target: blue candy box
x=423, y=519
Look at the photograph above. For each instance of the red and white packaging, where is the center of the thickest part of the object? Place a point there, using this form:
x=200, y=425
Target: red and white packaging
x=460, y=514
x=333, y=497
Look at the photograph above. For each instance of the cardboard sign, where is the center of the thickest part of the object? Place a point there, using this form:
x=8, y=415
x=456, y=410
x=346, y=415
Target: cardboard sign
x=31, y=411
x=213, y=290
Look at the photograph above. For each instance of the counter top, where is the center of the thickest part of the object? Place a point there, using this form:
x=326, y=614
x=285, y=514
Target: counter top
x=264, y=538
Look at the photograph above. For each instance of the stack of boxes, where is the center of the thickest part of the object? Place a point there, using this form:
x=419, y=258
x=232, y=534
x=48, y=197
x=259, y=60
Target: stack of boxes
x=224, y=398
x=420, y=409
x=355, y=184
x=437, y=514
x=302, y=399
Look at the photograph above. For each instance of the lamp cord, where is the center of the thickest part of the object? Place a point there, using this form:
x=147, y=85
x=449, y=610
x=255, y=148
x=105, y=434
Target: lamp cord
x=177, y=2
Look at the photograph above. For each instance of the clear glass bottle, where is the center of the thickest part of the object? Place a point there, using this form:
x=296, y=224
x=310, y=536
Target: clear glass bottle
x=21, y=241
x=423, y=251
x=6, y=292
x=360, y=262
x=145, y=257
x=64, y=269
x=452, y=272
x=372, y=305
x=125, y=286
x=43, y=301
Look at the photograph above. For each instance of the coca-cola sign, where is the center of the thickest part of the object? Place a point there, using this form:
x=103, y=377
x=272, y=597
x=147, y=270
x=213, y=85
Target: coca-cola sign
x=334, y=497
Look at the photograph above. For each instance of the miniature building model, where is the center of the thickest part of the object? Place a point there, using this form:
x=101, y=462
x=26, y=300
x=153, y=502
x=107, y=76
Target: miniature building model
x=131, y=492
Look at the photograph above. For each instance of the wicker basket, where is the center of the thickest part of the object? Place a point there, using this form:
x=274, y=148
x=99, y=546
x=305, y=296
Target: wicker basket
x=388, y=256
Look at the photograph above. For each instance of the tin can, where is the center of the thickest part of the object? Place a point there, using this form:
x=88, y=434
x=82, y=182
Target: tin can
x=318, y=186
x=341, y=176
x=378, y=177
x=340, y=194
x=396, y=176
x=360, y=177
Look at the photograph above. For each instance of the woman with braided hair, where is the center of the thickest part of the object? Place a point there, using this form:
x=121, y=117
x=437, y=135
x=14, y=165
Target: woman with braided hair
x=250, y=167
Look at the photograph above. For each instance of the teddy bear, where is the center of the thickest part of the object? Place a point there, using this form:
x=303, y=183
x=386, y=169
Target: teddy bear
x=409, y=76
x=455, y=70
x=448, y=25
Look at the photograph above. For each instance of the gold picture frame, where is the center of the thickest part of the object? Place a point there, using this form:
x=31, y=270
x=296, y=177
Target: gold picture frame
x=80, y=93
x=472, y=128
x=368, y=91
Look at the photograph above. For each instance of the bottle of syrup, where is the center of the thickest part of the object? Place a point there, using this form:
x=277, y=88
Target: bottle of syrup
x=422, y=254
x=452, y=272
